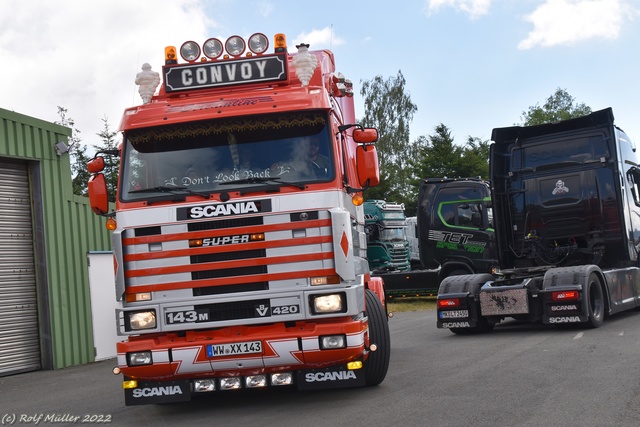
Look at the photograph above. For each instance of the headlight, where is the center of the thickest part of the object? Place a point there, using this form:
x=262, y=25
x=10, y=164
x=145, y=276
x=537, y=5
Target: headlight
x=327, y=303
x=139, y=358
x=255, y=381
x=190, y=51
x=234, y=46
x=142, y=320
x=204, y=385
x=231, y=383
x=258, y=43
x=282, y=378
x=212, y=48
x=329, y=342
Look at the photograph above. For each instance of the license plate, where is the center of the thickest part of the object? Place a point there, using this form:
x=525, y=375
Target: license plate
x=510, y=301
x=454, y=314
x=248, y=347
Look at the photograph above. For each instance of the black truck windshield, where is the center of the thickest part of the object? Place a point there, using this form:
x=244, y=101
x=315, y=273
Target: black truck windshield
x=232, y=154
x=561, y=153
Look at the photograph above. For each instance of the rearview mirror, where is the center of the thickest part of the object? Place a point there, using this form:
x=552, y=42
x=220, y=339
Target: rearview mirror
x=365, y=136
x=98, y=197
x=367, y=165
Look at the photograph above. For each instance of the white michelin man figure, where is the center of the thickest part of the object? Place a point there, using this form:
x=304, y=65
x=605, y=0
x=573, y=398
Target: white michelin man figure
x=560, y=188
x=148, y=81
x=304, y=63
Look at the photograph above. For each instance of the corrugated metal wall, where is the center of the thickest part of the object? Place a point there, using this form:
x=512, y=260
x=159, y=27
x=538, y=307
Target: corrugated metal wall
x=65, y=229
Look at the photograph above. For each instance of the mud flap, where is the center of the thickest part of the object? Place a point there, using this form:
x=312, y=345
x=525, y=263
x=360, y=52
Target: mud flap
x=466, y=288
x=333, y=377
x=158, y=392
x=569, y=279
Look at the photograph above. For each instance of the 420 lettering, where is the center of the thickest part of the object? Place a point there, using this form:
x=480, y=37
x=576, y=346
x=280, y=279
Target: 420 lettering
x=187, y=316
x=285, y=309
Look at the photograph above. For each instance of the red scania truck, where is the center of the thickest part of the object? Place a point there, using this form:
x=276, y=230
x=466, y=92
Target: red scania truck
x=238, y=234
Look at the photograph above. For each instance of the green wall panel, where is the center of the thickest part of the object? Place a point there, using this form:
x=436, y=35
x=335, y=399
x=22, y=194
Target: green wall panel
x=70, y=230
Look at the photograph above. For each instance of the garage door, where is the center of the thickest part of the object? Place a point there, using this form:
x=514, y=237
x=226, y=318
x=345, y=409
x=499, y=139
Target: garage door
x=19, y=338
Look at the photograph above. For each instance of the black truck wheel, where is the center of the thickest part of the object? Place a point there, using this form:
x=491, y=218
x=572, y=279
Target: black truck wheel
x=595, y=301
x=377, y=363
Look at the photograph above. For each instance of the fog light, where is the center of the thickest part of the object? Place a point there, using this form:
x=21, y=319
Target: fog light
x=327, y=303
x=139, y=358
x=282, y=378
x=203, y=386
x=356, y=364
x=130, y=384
x=333, y=341
x=253, y=381
x=231, y=383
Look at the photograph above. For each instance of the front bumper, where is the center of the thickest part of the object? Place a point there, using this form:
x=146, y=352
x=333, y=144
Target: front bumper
x=261, y=349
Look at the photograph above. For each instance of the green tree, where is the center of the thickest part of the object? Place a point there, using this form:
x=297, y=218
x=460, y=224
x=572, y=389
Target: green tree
x=112, y=163
x=439, y=156
x=476, y=158
x=559, y=106
x=78, y=152
x=388, y=107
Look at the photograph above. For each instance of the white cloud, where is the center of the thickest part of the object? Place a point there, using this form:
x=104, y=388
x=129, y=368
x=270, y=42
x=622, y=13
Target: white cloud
x=474, y=8
x=565, y=22
x=264, y=8
x=318, y=39
x=84, y=56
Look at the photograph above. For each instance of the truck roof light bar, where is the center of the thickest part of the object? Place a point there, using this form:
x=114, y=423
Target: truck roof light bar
x=190, y=51
x=212, y=48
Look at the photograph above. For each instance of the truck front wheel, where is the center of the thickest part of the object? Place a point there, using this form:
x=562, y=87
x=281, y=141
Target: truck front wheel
x=377, y=363
x=595, y=301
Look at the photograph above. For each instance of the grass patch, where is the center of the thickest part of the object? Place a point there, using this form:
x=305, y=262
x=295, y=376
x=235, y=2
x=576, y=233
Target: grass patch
x=398, y=305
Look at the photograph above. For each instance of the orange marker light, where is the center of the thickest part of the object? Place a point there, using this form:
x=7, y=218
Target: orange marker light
x=111, y=224
x=280, y=42
x=170, y=55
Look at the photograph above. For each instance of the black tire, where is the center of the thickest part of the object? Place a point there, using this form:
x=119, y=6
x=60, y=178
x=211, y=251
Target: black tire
x=595, y=302
x=377, y=363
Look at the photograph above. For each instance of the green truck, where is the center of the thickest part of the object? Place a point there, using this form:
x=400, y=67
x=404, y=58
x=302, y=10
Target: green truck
x=387, y=246
x=451, y=235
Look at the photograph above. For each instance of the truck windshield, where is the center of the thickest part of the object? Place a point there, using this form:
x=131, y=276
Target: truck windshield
x=226, y=155
x=389, y=234
x=562, y=152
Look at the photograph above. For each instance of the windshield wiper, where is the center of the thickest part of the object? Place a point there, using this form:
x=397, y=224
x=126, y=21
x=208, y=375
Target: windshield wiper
x=170, y=190
x=261, y=180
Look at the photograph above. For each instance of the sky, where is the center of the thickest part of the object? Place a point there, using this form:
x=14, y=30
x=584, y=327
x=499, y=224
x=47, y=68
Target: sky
x=471, y=65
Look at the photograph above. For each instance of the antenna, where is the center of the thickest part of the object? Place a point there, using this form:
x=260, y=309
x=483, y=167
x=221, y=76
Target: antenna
x=331, y=39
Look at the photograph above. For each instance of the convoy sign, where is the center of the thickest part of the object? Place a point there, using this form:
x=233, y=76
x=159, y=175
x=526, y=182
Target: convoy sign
x=225, y=73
